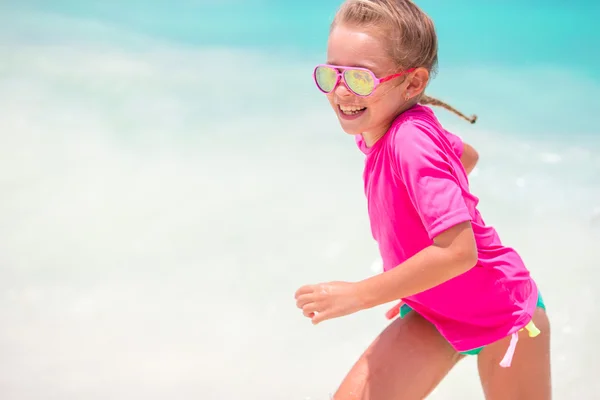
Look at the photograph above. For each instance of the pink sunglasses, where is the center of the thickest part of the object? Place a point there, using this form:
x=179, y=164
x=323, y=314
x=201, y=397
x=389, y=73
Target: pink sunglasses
x=360, y=81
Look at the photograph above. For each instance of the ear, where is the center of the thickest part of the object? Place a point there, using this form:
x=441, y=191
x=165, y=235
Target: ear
x=417, y=82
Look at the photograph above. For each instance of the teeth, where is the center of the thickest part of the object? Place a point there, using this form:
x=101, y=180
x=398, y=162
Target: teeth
x=351, y=109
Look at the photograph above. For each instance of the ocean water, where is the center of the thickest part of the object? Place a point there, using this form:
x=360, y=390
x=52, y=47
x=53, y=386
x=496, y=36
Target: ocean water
x=169, y=177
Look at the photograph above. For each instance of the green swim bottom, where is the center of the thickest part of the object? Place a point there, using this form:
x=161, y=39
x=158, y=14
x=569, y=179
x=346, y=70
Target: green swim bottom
x=405, y=309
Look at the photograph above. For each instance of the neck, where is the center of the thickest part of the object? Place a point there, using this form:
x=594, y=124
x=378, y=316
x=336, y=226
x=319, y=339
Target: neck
x=373, y=136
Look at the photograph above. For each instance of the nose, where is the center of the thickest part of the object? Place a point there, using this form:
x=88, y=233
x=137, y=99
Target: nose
x=341, y=90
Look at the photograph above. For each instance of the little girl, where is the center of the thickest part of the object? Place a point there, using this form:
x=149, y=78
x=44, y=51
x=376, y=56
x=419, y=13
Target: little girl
x=463, y=291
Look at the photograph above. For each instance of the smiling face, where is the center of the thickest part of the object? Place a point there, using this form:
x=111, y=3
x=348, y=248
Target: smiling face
x=351, y=46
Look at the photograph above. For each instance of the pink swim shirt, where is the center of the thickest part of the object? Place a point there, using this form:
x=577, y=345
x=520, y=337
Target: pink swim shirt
x=416, y=188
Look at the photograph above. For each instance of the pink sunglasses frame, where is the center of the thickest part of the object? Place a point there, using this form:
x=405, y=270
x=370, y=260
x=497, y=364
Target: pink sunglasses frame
x=339, y=69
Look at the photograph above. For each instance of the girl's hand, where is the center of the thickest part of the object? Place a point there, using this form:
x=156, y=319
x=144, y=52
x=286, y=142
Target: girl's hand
x=328, y=300
x=394, y=311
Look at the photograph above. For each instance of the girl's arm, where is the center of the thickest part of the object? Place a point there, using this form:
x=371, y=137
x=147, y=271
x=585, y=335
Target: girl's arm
x=467, y=154
x=452, y=253
x=469, y=158
x=438, y=199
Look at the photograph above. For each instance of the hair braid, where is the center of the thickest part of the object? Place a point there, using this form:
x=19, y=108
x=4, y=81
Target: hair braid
x=427, y=100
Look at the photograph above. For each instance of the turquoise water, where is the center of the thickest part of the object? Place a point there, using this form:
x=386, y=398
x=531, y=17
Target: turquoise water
x=170, y=176
x=511, y=33
x=505, y=56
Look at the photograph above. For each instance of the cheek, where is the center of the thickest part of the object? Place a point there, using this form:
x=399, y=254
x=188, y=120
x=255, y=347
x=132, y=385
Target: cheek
x=387, y=101
x=330, y=100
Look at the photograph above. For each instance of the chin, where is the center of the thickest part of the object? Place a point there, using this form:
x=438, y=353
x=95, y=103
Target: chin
x=351, y=128
x=352, y=132
x=353, y=125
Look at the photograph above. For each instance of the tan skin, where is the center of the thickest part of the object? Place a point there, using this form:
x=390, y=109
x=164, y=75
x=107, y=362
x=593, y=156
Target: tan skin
x=469, y=158
x=409, y=358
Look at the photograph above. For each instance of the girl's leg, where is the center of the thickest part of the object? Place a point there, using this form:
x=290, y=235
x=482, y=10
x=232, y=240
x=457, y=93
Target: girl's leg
x=529, y=375
x=406, y=362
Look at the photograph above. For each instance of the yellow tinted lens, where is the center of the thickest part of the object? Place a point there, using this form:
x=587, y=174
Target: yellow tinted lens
x=326, y=78
x=360, y=82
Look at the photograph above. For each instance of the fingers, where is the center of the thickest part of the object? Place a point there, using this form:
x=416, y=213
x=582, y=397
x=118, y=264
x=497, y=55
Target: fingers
x=394, y=311
x=304, y=300
x=307, y=295
x=309, y=300
x=304, y=290
x=327, y=300
x=308, y=307
x=312, y=308
x=321, y=316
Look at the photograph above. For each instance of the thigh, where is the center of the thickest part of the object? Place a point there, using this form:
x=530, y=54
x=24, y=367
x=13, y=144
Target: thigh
x=529, y=375
x=406, y=362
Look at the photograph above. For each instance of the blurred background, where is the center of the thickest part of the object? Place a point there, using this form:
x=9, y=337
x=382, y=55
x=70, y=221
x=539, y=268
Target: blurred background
x=169, y=176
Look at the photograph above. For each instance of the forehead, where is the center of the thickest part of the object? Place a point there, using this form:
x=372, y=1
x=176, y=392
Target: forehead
x=357, y=47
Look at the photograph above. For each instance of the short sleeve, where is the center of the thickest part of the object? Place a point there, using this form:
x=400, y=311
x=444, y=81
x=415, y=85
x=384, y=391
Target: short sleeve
x=456, y=142
x=429, y=178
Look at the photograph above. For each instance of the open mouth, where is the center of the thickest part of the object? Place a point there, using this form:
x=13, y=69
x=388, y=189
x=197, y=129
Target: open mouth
x=351, y=111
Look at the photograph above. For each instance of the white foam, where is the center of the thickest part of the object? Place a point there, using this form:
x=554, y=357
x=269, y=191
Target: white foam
x=551, y=158
x=377, y=266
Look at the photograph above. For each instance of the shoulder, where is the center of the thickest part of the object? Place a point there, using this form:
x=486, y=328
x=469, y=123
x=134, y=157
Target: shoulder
x=456, y=142
x=416, y=133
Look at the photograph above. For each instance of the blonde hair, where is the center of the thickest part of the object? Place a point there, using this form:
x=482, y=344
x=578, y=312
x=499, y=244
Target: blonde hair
x=409, y=31
x=427, y=100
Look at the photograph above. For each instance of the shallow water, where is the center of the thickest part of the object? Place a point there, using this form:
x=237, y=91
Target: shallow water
x=159, y=208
